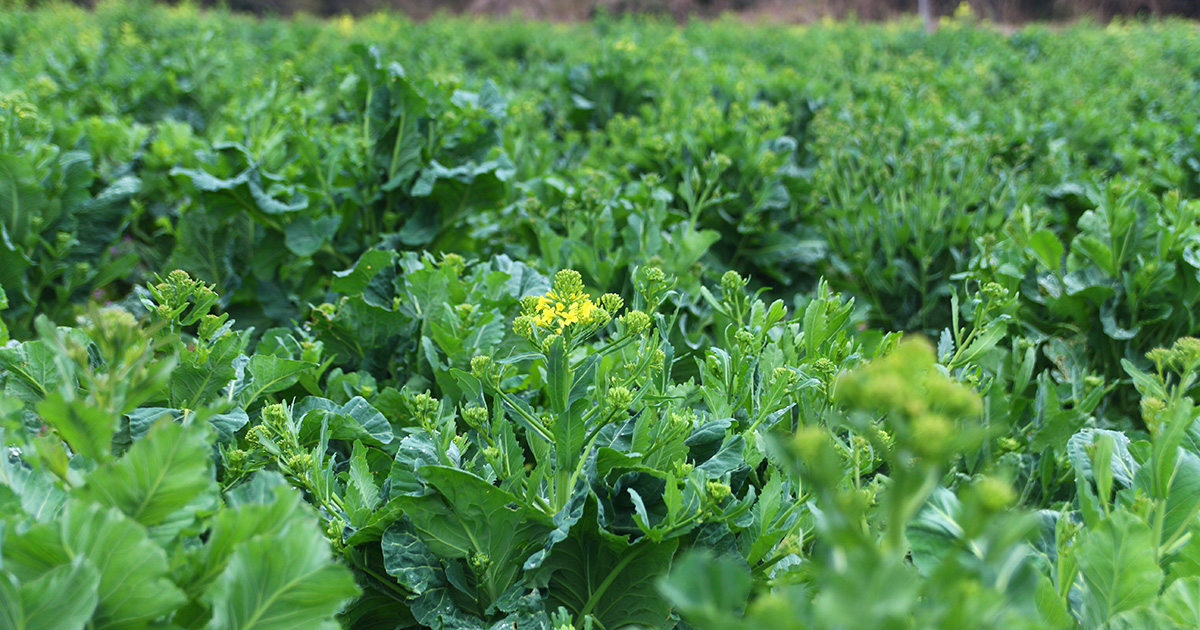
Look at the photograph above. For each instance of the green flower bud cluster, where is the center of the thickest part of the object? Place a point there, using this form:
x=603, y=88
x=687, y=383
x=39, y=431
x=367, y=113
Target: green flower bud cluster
x=611, y=303
x=651, y=282
x=484, y=369
x=1183, y=356
x=732, y=283
x=994, y=291
x=658, y=360
x=173, y=296
x=424, y=409
x=568, y=282
x=475, y=416
x=480, y=561
x=454, y=263
x=636, y=322
x=785, y=375
x=825, y=368
x=1153, y=409
x=994, y=494
x=717, y=491
x=923, y=404
x=618, y=398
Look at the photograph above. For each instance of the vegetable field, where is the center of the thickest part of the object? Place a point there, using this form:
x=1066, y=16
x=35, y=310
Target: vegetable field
x=467, y=324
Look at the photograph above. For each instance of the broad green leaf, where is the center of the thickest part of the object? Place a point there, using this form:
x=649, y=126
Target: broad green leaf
x=32, y=371
x=39, y=494
x=727, y=458
x=1116, y=559
x=227, y=424
x=707, y=589
x=354, y=280
x=280, y=506
x=140, y=420
x=935, y=529
x=63, y=598
x=468, y=517
x=281, y=581
x=409, y=560
x=272, y=374
x=1124, y=466
x=355, y=420
x=133, y=590
x=523, y=280
x=593, y=572
x=22, y=197
x=1181, y=602
x=416, y=568
x=198, y=377
x=89, y=430
x=159, y=475
x=305, y=236
x=1048, y=248
x=415, y=452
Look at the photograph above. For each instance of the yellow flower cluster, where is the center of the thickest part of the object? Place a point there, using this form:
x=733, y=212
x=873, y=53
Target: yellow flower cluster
x=556, y=312
x=565, y=308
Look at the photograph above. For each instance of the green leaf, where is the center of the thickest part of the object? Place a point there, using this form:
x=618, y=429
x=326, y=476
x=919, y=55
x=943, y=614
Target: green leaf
x=140, y=420
x=523, y=280
x=362, y=481
x=133, y=590
x=39, y=493
x=468, y=516
x=1116, y=559
x=196, y=380
x=3, y=306
x=409, y=559
x=89, y=430
x=228, y=424
x=1048, y=248
x=1124, y=466
x=274, y=507
x=356, y=279
x=355, y=420
x=1183, y=496
x=281, y=581
x=934, y=530
x=32, y=370
x=418, y=569
x=22, y=198
x=593, y=572
x=727, y=457
x=272, y=374
x=1181, y=602
x=558, y=377
x=306, y=236
x=985, y=341
x=158, y=476
x=708, y=590
x=63, y=598
x=415, y=452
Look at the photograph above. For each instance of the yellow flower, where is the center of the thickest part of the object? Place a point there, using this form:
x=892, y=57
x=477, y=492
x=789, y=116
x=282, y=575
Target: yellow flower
x=556, y=311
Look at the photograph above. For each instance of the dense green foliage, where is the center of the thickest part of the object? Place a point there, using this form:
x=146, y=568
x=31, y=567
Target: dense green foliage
x=471, y=325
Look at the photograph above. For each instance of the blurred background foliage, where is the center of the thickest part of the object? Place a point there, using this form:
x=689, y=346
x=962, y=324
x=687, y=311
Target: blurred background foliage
x=1006, y=11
